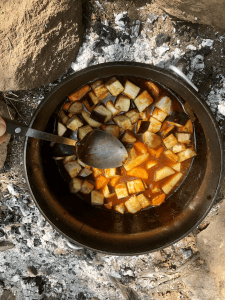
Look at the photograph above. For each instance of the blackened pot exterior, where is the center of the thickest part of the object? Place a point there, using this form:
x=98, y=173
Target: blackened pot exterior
x=107, y=231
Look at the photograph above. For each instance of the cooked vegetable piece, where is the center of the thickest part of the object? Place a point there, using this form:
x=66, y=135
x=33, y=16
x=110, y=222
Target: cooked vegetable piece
x=120, y=208
x=151, y=163
x=157, y=153
x=114, y=86
x=164, y=104
x=58, y=157
x=138, y=172
x=178, y=148
x=176, y=167
x=82, y=131
x=155, y=125
x=132, y=153
x=163, y=173
x=61, y=129
x=142, y=126
x=109, y=173
x=101, y=181
x=101, y=114
x=156, y=189
x=74, y=123
x=131, y=90
x=108, y=205
x=122, y=121
x=143, y=200
x=136, y=162
x=128, y=137
x=113, y=129
x=158, y=200
x=92, y=99
x=108, y=192
x=63, y=117
x=121, y=190
x=87, y=106
x=184, y=138
x=170, y=141
x=172, y=156
x=75, y=185
x=79, y=94
x=151, y=139
x=132, y=127
x=66, y=105
x=87, y=187
x=168, y=130
x=189, y=153
x=135, y=186
x=146, y=114
x=100, y=90
x=70, y=115
x=133, y=205
x=73, y=168
x=133, y=115
x=159, y=115
x=143, y=101
x=141, y=147
x=114, y=181
x=83, y=164
x=153, y=88
x=110, y=106
x=97, y=198
x=85, y=172
x=76, y=107
x=178, y=119
x=188, y=127
x=97, y=172
x=171, y=183
x=122, y=103
x=90, y=121
x=68, y=158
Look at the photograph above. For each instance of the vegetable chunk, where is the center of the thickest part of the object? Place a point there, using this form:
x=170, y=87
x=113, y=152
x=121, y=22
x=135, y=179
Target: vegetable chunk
x=155, y=125
x=171, y=183
x=120, y=208
x=100, y=182
x=172, y=156
x=110, y=106
x=121, y=190
x=163, y=173
x=133, y=115
x=122, y=103
x=128, y=137
x=61, y=129
x=143, y=101
x=133, y=205
x=101, y=114
x=184, y=138
x=164, y=104
x=178, y=148
x=153, y=88
x=189, y=153
x=76, y=107
x=75, y=185
x=90, y=121
x=170, y=141
x=141, y=147
x=143, y=200
x=108, y=191
x=151, y=163
x=87, y=187
x=79, y=94
x=131, y=90
x=112, y=129
x=129, y=165
x=73, y=168
x=159, y=115
x=122, y=121
x=138, y=172
x=74, y=123
x=135, y=186
x=82, y=131
x=114, y=86
x=152, y=139
x=177, y=167
x=97, y=198
x=157, y=200
x=100, y=90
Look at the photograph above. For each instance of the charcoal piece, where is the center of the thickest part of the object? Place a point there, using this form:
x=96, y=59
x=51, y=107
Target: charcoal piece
x=162, y=38
x=178, y=117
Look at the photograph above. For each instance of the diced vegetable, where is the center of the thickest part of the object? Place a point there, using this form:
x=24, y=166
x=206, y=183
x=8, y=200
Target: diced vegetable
x=90, y=121
x=189, y=153
x=132, y=153
x=178, y=119
x=153, y=88
x=101, y=181
x=168, y=131
x=188, y=127
x=110, y=106
x=87, y=187
x=163, y=173
x=74, y=123
x=122, y=121
x=155, y=125
x=113, y=129
x=133, y=205
x=143, y=200
x=156, y=189
x=120, y=208
x=97, y=172
x=100, y=90
x=176, y=167
x=121, y=190
x=87, y=106
x=152, y=139
x=171, y=183
x=164, y=104
x=142, y=126
x=83, y=164
x=136, y=162
x=85, y=172
x=68, y=158
x=122, y=103
x=157, y=153
x=146, y=114
x=172, y=156
x=135, y=186
x=66, y=105
x=63, y=117
x=141, y=147
x=61, y=129
x=76, y=107
x=107, y=192
x=151, y=163
x=82, y=131
x=131, y=90
x=157, y=200
x=70, y=115
x=108, y=205
x=133, y=115
x=159, y=115
x=128, y=137
x=138, y=172
x=79, y=94
x=114, y=86
x=114, y=181
x=178, y=148
x=184, y=138
x=73, y=168
x=75, y=185
x=170, y=141
x=92, y=99
x=58, y=157
x=97, y=198
x=101, y=114
x=143, y=101
x=109, y=173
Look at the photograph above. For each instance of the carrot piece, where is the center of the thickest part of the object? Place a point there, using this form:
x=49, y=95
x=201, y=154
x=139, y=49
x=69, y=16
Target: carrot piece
x=66, y=105
x=108, y=205
x=138, y=172
x=157, y=200
x=70, y=115
x=159, y=152
x=114, y=181
x=101, y=181
x=79, y=94
x=141, y=147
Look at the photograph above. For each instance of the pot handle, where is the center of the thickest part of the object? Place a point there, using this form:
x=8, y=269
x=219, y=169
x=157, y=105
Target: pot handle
x=182, y=75
x=73, y=246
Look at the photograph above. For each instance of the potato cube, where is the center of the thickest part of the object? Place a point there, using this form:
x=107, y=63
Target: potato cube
x=132, y=153
x=178, y=148
x=141, y=147
x=112, y=129
x=100, y=181
x=97, y=198
x=114, y=181
x=170, y=141
x=153, y=88
x=122, y=121
x=109, y=173
x=189, y=153
x=122, y=103
x=171, y=183
x=90, y=121
x=87, y=187
x=73, y=168
x=121, y=190
x=75, y=185
x=97, y=172
x=155, y=125
x=68, y=158
x=131, y=90
x=74, y=123
x=85, y=172
x=164, y=104
x=138, y=172
x=114, y=86
x=163, y=173
x=184, y=138
x=151, y=163
x=61, y=129
x=129, y=165
x=159, y=115
x=176, y=167
x=135, y=186
x=168, y=130
x=108, y=191
x=128, y=137
x=76, y=107
x=100, y=90
x=158, y=200
x=79, y=94
x=82, y=131
x=151, y=139
x=143, y=101
x=110, y=106
x=188, y=127
x=133, y=115
x=120, y=208
x=133, y=205
x=143, y=200
x=171, y=156
x=63, y=117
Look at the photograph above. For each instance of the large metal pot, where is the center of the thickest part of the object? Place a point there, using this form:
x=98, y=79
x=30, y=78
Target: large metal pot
x=105, y=230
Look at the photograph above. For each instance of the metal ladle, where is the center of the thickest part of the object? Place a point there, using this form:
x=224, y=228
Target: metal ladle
x=98, y=149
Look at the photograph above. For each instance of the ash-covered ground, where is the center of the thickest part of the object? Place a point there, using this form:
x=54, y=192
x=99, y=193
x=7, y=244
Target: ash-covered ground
x=39, y=264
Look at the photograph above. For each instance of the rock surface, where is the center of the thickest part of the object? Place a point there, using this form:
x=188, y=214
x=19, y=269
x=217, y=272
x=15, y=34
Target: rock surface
x=212, y=247
x=38, y=41
x=208, y=12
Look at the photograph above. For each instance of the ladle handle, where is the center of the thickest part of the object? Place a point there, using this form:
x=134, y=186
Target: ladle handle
x=182, y=75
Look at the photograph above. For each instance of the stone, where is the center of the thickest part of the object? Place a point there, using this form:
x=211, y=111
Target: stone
x=5, y=245
x=210, y=12
x=38, y=41
x=212, y=248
